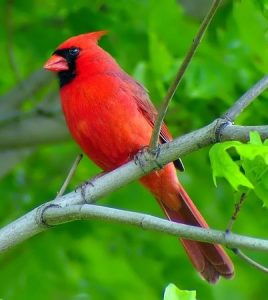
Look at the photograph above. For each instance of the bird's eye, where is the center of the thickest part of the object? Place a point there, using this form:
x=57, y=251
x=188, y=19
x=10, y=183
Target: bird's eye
x=74, y=51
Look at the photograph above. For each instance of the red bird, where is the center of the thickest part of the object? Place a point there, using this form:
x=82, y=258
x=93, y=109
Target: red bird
x=111, y=117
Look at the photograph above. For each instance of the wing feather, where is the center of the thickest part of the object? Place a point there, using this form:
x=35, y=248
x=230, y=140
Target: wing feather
x=148, y=110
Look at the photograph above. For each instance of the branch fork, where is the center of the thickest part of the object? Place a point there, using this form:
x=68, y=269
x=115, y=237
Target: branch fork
x=221, y=124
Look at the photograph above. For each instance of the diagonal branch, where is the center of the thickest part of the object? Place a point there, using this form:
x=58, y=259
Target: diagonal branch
x=173, y=87
x=250, y=261
x=33, y=222
x=38, y=219
x=245, y=100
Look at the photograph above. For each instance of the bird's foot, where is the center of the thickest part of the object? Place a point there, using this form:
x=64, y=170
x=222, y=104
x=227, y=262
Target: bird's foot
x=145, y=155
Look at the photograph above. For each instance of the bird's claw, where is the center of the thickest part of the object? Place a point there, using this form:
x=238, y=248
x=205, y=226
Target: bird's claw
x=144, y=155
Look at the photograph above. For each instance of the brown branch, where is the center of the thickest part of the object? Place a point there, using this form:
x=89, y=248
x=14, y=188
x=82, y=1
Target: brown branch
x=237, y=209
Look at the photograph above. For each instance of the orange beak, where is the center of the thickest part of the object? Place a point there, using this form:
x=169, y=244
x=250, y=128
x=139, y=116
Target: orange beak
x=56, y=64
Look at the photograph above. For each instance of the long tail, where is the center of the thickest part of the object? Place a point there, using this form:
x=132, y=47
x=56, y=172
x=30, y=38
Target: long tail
x=210, y=260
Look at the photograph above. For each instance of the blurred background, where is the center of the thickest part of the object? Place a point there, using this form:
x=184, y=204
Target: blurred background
x=149, y=38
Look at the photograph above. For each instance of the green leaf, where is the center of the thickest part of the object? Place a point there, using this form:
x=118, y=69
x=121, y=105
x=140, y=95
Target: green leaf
x=257, y=172
x=223, y=166
x=252, y=151
x=174, y=293
x=250, y=171
x=254, y=159
x=255, y=138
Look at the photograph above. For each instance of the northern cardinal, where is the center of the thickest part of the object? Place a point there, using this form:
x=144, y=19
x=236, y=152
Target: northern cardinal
x=111, y=117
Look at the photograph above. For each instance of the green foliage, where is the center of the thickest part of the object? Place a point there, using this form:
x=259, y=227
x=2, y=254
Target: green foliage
x=149, y=38
x=223, y=165
x=174, y=293
x=263, y=4
x=249, y=171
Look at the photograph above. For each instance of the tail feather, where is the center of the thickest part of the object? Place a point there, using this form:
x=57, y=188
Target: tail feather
x=210, y=260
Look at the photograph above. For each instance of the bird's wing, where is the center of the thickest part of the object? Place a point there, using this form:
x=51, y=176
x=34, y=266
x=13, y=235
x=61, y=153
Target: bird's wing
x=148, y=110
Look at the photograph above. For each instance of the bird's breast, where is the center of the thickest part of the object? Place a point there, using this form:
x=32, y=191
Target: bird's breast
x=105, y=121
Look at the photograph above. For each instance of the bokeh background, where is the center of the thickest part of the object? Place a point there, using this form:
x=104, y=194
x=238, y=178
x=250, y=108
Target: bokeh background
x=149, y=38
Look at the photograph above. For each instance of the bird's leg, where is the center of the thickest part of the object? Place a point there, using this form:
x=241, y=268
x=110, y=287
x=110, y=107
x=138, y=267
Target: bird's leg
x=144, y=155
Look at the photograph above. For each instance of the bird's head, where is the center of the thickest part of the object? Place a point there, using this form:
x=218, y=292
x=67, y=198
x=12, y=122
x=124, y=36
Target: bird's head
x=65, y=58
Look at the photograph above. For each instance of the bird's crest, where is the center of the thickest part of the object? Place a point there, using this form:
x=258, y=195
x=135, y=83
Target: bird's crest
x=95, y=36
x=83, y=40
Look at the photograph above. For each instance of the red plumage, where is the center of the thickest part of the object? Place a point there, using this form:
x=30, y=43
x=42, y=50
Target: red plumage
x=111, y=117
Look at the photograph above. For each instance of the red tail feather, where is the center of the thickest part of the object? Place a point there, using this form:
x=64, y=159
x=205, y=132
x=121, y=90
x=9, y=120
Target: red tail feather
x=210, y=260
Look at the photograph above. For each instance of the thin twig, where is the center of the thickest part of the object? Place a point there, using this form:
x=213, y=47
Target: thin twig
x=237, y=251
x=173, y=87
x=246, y=99
x=237, y=209
x=70, y=175
x=250, y=261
